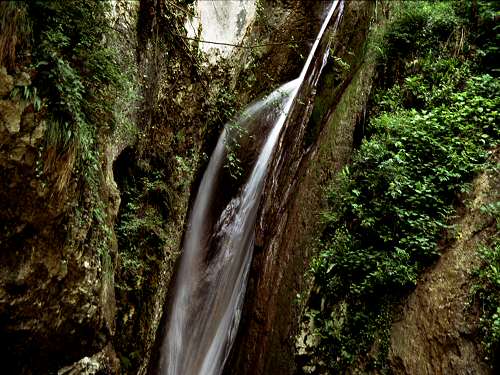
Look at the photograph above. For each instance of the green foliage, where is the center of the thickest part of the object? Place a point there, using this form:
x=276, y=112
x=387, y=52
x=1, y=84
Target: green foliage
x=429, y=134
x=420, y=26
x=488, y=35
x=431, y=84
x=77, y=74
x=487, y=287
x=221, y=111
x=78, y=86
x=141, y=227
x=389, y=208
x=235, y=133
x=27, y=93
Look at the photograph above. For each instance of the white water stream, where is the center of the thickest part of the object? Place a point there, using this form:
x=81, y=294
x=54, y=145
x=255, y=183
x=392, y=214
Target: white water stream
x=210, y=284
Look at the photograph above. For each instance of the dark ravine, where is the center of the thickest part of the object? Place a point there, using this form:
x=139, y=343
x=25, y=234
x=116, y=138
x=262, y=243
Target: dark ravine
x=203, y=315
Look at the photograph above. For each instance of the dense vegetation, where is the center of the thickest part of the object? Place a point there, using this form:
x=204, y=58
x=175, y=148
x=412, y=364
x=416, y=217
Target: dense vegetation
x=433, y=123
x=73, y=85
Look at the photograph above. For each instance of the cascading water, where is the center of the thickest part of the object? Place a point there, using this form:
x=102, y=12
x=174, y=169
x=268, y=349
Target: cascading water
x=210, y=284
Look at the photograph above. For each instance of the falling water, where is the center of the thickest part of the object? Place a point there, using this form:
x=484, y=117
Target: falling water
x=210, y=284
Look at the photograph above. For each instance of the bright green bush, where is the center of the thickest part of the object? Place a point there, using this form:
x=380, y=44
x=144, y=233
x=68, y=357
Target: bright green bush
x=420, y=26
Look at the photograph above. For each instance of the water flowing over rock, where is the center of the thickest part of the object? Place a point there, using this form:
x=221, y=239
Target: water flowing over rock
x=126, y=249
x=203, y=315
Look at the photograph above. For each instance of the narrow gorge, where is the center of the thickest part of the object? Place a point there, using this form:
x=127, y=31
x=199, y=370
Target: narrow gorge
x=203, y=187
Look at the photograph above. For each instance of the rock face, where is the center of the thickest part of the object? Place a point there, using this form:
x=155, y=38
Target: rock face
x=438, y=328
x=52, y=297
x=6, y=82
x=186, y=102
x=221, y=22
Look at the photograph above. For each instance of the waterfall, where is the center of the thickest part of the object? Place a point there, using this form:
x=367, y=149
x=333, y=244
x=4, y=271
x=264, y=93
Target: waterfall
x=205, y=308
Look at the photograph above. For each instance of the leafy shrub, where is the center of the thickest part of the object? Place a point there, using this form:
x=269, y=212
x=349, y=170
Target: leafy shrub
x=488, y=35
x=433, y=82
x=420, y=26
